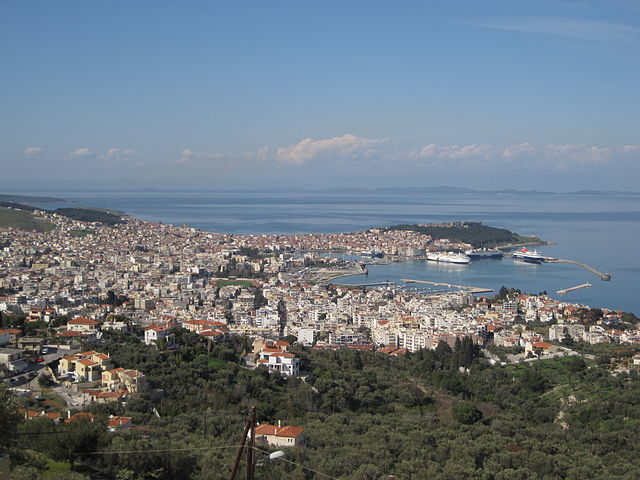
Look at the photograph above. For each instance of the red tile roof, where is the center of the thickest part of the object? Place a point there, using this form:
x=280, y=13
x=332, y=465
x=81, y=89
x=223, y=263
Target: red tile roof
x=82, y=321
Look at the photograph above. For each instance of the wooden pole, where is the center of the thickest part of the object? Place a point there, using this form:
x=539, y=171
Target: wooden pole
x=251, y=453
x=236, y=463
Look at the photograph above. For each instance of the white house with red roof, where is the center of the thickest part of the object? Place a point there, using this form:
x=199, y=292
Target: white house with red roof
x=154, y=332
x=277, y=361
x=84, y=325
x=280, y=436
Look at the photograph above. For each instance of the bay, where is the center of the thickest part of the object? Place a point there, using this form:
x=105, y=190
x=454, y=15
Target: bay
x=599, y=230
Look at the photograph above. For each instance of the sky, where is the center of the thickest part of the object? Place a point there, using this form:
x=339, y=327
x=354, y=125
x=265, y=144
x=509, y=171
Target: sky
x=528, y=94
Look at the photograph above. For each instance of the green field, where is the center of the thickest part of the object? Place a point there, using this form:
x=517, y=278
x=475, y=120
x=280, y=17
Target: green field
x=23, y=220
x=239, y=283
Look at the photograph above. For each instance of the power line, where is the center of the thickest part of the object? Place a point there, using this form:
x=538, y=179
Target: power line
x=164, y=450
x=298, y=464
x=168, y=450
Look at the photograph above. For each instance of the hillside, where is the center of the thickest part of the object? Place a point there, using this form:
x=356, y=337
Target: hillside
x=89, y=215
x=474, y=233
x=22, y=220
x=436, y=414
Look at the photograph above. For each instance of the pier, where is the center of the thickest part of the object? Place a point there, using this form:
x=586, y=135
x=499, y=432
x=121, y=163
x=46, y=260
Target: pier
x=450, y=285
x=378, y=284
x=571, y=289
x=603, y=276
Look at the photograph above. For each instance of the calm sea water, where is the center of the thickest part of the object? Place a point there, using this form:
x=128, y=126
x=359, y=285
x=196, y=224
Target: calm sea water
x=602, y=231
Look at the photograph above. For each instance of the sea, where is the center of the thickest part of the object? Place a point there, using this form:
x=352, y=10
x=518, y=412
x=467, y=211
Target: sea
x=601, y=230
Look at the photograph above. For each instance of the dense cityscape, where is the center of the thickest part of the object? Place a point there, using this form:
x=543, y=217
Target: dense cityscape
x=73, y=293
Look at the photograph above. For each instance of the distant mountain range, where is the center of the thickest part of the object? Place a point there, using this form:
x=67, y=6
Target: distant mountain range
x=441, y=190
x=445, y=190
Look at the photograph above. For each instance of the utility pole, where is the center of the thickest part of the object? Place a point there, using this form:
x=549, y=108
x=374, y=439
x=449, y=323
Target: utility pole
x=247, y=426
x=251, y=453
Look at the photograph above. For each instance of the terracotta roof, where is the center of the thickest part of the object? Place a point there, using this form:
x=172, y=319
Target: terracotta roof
x=82, y=416
x=87, y=362
x=28, y=414
x=289, y=431
x=286, y=431
x=119, y=422
x=82, y=321
x=73, y=333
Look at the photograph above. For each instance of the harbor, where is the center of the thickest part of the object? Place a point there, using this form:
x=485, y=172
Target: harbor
x=466, y=288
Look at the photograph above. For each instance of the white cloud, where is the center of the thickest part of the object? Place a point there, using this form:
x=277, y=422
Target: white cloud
x=345, y=146
x=31, y=151
x=559, y=156
x=187, y=155
x=117, y=154
x=81, y=152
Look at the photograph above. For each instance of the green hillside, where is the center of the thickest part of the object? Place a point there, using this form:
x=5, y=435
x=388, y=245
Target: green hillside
x=474, y=233
x=22, y=220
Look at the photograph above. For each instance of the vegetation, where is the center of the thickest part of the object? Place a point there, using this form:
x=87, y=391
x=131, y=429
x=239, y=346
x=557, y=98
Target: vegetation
x=442, y=414
x=474, y=233
x=23, y=220
x=234, y=283
x=90, y=215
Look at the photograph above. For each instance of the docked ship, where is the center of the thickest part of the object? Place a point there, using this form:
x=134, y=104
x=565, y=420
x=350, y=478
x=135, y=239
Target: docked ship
x=482, y=253
x=525, y=255
x=448, y=257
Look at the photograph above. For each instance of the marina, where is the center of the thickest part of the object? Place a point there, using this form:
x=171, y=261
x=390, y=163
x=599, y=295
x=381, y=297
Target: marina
x=467, y=288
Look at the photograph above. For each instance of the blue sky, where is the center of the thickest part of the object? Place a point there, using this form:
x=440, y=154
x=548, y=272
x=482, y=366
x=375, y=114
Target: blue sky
x=481, y=94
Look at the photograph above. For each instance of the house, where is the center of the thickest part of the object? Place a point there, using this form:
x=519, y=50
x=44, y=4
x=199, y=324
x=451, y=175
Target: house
x=200, y=325
x=284, y=363
x=133, y=381
x=111, y=379
x=279, y=436
x=542, y=347
x=79, y=417
x=31, y=344
x=119, y=424
x=86, y=369
x=99, y=396
x=154, y=333
x=73, y=336
x=84, y=325
x=13, y=335
x=13, y=359
x=31, y=414
x=85, y=366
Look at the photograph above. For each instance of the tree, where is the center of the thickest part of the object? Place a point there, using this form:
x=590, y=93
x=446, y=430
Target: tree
x=466, y=413
x=9, y=418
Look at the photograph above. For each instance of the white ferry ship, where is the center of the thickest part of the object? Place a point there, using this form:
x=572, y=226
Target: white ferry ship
x=525, y=255
x=448, y=257
x=482, y=253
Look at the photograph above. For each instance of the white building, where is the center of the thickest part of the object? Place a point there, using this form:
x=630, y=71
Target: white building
x=283, y=362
